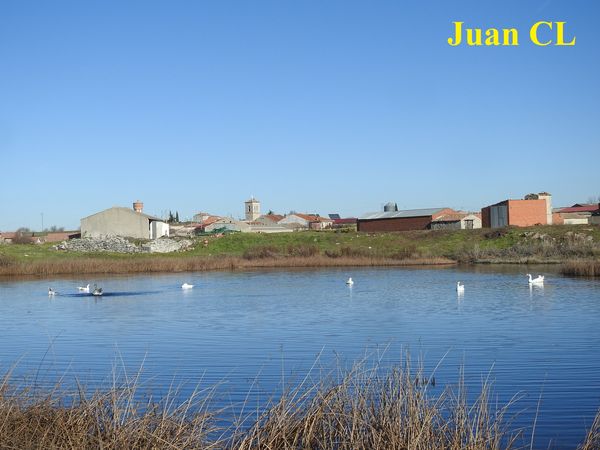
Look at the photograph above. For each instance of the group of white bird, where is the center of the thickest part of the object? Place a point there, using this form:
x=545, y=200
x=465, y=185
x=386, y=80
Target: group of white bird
x=97, y=292
x=538, y=281
x=460, y=287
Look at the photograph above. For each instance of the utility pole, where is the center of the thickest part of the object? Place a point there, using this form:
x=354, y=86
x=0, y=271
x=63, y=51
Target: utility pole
x=42, y=222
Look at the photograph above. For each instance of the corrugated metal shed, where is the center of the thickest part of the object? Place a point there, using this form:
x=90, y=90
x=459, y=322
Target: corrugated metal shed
x=402, y=214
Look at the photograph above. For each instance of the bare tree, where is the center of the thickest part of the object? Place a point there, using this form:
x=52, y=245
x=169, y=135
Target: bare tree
x=23, y=236
x=593, y=199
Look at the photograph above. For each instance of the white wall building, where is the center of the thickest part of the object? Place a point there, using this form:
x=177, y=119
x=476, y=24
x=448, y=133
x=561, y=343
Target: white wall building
x=120, y=221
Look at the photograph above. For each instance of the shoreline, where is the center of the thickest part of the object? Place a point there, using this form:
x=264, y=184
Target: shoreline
x=165, y=264
x=576, y=248
x=99, y=265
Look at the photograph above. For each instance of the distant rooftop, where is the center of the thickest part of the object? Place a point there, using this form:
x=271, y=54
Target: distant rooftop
x=127, y=210
x=401, y=214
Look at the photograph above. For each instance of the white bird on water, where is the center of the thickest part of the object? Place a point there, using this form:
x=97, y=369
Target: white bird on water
x=84, y=288
x=460, y=287
x=538, y=281
x=187, y=286
x=349, y=281
x=51, y=292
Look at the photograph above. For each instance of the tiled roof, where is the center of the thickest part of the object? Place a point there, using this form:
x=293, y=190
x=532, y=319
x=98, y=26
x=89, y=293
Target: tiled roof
x=312, y=217
x=273, y=217
x=583, y=208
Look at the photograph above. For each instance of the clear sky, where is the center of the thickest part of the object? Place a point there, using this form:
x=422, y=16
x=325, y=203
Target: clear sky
x=313, y=106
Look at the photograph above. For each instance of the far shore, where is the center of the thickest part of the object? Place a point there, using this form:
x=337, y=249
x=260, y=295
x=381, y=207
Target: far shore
x=162, y=264
x=576, y=248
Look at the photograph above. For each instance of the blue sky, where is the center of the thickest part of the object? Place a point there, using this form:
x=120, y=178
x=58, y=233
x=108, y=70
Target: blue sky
x=315, y=106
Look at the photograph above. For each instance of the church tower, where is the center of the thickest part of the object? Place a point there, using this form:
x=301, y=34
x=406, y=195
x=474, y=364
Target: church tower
x=252, y=209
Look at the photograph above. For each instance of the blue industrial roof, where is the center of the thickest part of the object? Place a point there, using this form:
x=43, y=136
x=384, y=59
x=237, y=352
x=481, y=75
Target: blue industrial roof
x=401, y=214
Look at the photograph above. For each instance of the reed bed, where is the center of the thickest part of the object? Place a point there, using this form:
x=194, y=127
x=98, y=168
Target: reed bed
x=581, y=268
x=360, y=408
x=100, y=265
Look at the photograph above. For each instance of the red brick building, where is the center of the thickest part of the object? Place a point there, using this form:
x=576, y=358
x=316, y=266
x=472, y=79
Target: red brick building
x=519, y=213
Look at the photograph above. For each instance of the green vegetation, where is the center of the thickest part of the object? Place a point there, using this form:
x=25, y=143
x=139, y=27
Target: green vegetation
x=541, y=244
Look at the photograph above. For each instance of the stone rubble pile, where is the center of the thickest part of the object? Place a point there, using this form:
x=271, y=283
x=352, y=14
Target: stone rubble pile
x=164, y=245
x=117, y=244
x=581, y=237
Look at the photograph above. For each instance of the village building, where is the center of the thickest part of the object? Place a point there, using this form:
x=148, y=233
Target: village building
x=6, y=237
x=306, y=221
x=201, y=217
x=269, y=219
x=259, y=227
x=125, y=222
x=458, y=221
x=223, y=224
x=392, y=219
x=342, y=222
x=578, y=214
x=38, y=237
x=534, y=209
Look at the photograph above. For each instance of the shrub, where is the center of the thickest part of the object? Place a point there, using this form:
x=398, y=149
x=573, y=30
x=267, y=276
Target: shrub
x=303, y=250
x=22, y=237
x=357, y=252
x=261, y=252
x=6, y=261
x=332, y=253
x=407, y=252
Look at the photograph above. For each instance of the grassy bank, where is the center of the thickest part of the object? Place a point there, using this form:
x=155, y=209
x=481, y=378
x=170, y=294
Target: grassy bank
x=543, y=244
x=361, y=409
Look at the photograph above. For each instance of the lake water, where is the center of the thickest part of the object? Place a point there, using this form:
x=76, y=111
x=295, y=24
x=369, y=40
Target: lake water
x=251, y=330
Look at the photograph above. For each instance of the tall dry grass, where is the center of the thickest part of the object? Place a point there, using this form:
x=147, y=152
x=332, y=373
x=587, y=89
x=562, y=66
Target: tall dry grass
x=261, y=258
x=581, y=268
x=366, y=410
x=115, y=419
x=363, y=408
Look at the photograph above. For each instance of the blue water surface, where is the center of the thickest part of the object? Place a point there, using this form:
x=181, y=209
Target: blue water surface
x=250, y=332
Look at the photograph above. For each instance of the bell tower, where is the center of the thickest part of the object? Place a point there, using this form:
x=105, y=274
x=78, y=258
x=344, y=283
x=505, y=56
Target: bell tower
x=252, y=209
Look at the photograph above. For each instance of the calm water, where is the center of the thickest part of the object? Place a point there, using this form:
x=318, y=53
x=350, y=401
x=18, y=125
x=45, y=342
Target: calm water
x=249, y=330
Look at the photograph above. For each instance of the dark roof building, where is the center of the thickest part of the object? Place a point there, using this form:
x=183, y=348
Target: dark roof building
x=404, y=220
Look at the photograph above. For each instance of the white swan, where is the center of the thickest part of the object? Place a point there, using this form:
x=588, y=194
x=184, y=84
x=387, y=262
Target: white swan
x=539, y=280
x=460, y=287
x=187, y=286
x=349, y=281
x=51, y=292
x=84, y=288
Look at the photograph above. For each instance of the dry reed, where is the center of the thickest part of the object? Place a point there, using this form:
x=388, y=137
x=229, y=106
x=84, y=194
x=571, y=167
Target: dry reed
x=99, y=265
x=581, y=268
x=363, y=408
